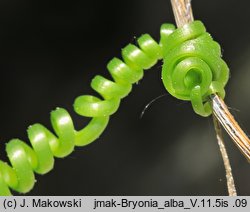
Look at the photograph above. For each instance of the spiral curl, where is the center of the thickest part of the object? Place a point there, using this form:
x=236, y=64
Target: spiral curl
x=39, y=158
x=192, y=70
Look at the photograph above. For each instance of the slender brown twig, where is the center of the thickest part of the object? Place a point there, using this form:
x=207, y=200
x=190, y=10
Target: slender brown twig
x=226, y=119
x=183, y=14
x=229, y=176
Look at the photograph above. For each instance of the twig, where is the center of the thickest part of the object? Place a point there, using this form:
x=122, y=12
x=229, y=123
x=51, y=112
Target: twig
x=230, y=180
x=226, y=119
x=183, y=14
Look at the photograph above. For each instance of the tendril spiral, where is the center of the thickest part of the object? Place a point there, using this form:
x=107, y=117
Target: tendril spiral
x=192, y=70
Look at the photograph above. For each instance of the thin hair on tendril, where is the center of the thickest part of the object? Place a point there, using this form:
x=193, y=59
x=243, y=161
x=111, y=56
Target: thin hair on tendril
x=150, y=104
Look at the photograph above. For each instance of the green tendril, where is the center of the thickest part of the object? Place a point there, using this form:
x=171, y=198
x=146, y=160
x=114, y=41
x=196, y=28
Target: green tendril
x=192, y=66
x=192, y=70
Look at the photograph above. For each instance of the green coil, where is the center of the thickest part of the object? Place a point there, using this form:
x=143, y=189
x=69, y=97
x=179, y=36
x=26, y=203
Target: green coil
x=192, y=70
x=192, y=66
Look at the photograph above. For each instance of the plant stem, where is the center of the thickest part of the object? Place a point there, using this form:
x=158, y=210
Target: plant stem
x=183, y=14
x=230, y=180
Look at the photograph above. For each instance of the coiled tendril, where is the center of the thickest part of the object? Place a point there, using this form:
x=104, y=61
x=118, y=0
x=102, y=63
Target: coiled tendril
x=192, y=70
